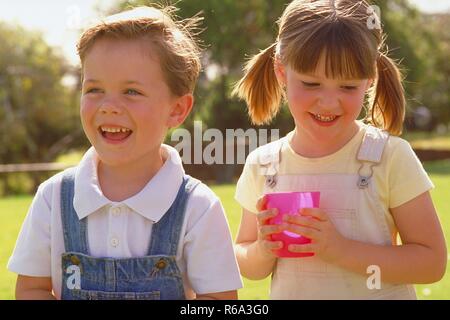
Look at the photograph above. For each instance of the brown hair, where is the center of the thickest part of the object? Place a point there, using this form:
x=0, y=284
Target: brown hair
x=338, y=30
x=173, y=41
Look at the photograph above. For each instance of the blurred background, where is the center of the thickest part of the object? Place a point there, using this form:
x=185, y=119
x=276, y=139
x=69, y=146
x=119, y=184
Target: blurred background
x=40, y=130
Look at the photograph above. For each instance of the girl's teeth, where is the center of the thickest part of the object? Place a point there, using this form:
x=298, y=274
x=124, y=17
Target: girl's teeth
x=324, y=118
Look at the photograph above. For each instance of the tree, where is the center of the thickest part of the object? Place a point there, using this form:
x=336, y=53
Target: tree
x=420, y=42
x=36, y=109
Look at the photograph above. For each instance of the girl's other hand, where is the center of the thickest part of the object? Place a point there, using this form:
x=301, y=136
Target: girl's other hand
x=265, y=230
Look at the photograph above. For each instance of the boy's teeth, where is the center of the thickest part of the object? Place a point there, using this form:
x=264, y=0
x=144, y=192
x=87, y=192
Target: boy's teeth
x=324, y=118
x=114, y=130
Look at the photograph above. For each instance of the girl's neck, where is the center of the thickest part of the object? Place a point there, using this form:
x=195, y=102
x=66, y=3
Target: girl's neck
x=311, y=147
x=124, y=181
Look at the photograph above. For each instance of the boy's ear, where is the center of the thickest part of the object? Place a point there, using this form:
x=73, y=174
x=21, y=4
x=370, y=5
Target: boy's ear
x=181, y=108
x=280, y=71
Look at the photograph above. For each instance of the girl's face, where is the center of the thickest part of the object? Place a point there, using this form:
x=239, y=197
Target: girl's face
x=126, y=104
x=324, y=109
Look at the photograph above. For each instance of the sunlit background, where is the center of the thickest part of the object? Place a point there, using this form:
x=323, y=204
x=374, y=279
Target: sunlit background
x=60, y=21
x=39, y=97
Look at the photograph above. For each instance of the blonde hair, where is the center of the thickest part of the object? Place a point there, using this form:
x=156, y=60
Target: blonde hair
x=339, y=31
x=173, y=41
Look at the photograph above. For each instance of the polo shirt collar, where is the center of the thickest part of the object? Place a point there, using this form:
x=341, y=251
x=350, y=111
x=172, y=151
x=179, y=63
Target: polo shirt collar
x=152, y=202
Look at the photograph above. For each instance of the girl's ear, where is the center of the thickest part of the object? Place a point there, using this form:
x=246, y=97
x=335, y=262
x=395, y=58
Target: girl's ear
x=280, y=71
x=180, y=109
x=369, y=84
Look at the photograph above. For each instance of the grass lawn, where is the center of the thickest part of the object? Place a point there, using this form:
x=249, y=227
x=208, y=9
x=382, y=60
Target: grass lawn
x=13, y=210
x=428, y=140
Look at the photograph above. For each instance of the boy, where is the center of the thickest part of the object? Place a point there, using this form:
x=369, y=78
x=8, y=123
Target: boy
x=127, y=223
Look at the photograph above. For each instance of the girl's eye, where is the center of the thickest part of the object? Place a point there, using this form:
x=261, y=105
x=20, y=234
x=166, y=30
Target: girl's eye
x=310, y=84
x=132, y=92
x=316, y=85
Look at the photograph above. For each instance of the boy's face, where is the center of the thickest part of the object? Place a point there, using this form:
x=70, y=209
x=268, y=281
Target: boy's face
x=126, y=104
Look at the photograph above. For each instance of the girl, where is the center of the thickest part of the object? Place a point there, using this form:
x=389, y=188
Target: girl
x=327, y=57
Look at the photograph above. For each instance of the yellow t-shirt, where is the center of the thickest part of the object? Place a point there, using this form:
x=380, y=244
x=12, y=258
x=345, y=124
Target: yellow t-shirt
x=399, y=178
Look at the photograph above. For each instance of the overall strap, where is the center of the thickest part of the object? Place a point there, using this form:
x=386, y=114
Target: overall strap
x=370, y=153
x=372, y=146
x=269, y=158
x=74, y=230
x=166, y=232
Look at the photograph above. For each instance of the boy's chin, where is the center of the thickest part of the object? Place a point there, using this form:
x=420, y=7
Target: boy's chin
x=119, y=159
x=113, y=157
x=112, y=162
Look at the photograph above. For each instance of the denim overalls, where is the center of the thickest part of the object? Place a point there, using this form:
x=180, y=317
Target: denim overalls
x=352, y=203
x=154, y=276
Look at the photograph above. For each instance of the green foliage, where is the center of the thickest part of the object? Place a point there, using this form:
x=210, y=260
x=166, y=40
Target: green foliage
x=421, y=43
x=36, y=109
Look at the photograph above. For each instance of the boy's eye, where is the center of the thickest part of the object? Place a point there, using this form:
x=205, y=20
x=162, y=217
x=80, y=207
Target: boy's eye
x=92, y=90
x=349, y=87
x=132, y=92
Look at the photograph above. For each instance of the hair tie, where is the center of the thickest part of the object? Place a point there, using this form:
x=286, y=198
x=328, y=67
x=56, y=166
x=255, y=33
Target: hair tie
x=277, y=49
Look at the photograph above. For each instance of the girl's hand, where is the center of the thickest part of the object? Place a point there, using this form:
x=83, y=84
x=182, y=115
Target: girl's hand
x=326, y=242
x=265, y=230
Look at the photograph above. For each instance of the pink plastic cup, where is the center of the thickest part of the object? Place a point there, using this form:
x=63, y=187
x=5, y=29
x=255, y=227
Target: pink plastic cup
x=290, y=203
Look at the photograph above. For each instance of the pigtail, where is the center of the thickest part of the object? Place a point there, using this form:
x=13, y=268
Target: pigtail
x=259, y=87
x=388, y=106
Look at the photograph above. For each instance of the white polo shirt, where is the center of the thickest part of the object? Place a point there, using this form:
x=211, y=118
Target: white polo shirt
x=122, y=229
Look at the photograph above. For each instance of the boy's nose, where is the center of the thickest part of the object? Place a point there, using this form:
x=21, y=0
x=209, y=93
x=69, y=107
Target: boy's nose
x=110, y=106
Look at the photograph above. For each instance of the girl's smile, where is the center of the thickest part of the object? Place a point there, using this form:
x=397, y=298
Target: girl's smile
x=324, y=120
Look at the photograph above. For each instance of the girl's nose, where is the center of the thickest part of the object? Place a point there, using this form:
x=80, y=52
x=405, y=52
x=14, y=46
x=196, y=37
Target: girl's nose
x=329, y=101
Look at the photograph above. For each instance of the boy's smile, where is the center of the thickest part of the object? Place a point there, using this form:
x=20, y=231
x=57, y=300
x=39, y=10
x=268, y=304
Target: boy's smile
x=114, y=134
